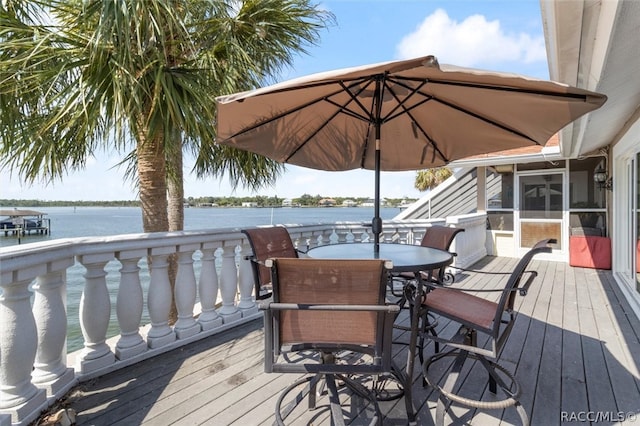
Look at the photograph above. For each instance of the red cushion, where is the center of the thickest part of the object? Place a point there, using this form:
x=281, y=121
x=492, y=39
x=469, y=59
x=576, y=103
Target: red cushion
x=590, y=252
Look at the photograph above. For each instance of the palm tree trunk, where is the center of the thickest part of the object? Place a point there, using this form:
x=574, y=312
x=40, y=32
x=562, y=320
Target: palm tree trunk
x=175, y=196
x=175, y=193
x=153, y=185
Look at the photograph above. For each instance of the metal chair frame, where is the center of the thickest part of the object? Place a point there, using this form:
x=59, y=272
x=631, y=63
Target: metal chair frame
x=266, y=243
x=287, y=336
x=436, y=236
x=458, y=305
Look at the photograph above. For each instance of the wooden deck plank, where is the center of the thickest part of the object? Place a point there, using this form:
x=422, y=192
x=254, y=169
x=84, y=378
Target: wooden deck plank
x=574, y=392
x=547, y=396
x=529, y=333
x=574, y=348
x=625, y=391
x=599, y=391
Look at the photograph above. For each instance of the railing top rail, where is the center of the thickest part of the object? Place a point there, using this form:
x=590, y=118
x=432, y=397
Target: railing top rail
x=22, y=256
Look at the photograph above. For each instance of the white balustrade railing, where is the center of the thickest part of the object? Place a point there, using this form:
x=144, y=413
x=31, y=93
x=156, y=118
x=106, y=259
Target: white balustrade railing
x=213, y=292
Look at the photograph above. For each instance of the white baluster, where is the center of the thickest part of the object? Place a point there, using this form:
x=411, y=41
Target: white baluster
x=185, y=293
x=229, y=285
x=306, y=239
x=95, y=312
x=49, y=310
x=18, y=396
x=159, y=301
x=313, y=241
x=208, y=290
x=246, y=284
x=129, y=306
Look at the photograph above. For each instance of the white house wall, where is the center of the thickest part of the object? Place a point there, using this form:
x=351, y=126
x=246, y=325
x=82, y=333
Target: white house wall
x=627, y=146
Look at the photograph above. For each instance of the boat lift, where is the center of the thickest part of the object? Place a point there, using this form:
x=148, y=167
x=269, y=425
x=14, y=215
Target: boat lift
x=24, y=222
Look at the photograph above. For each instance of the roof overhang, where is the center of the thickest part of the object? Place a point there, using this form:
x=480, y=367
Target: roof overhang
x=593, y=44
x=551, y=153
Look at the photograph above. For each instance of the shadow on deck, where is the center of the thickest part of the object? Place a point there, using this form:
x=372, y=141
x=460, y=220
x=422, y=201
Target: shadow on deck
x=575, y=350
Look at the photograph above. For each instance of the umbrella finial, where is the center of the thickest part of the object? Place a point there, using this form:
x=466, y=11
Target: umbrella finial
x=431, y=61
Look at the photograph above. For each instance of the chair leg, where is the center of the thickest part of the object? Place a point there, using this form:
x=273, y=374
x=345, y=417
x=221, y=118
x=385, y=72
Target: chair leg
x=447, y=395
x=334, y=401
x=362, y=391
x=493, y=387
x=447, y=388
x=308, y=391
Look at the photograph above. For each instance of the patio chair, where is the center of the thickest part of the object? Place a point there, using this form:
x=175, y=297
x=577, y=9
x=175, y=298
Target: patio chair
x=440, y=237
x=477, y=314
x=328, y=318
x=266, y=243
x=436, y=236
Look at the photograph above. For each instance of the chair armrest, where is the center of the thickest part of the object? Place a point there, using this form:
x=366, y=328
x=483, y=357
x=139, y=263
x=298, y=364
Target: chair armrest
x=264, y=306
x=478, y=271
x=525, y=288
x=310, y=307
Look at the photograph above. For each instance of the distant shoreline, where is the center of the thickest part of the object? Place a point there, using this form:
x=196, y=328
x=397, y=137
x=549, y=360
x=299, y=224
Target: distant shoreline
x=219, y=202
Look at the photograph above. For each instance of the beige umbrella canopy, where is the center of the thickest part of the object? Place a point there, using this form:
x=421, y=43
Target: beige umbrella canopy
x=401, y=115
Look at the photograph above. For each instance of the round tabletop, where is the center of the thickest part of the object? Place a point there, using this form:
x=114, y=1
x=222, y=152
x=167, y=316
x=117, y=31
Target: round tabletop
x=404, y=257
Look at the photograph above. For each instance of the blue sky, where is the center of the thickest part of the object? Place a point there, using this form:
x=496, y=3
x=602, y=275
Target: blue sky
x=497, y=35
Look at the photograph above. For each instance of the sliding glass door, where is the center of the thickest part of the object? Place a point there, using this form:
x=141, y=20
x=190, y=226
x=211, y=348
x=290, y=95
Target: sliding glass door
x=635, y=219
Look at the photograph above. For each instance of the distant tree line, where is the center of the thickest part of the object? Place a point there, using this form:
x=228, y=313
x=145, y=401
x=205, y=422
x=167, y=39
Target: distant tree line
x=40, y=203
x=304, y=200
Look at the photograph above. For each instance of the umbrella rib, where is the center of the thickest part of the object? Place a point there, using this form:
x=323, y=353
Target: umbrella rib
x=429, y=97
x=497, y=88
x=407, y=111
x=325, y=97
x=311, y=136
x=356, y=99
x=486, y=120
x=400, y=103
x=341, y=109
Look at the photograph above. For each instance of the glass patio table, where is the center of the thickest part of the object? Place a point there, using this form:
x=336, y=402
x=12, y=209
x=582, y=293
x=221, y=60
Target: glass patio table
x=404, y=258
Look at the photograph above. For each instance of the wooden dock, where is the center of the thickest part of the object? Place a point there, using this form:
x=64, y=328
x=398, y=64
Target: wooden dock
x=575, y=350
x=18, y=222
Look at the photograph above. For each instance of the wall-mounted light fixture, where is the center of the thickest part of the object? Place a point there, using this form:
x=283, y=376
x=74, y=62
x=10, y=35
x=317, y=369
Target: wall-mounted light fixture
x=600, y=177
x=504, y=168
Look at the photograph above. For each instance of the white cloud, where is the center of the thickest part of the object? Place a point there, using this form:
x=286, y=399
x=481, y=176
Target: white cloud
x=473, y=42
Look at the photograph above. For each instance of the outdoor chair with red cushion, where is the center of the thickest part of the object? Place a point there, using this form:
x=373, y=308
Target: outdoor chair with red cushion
x=266, y=243
x=493, y=319
x=329, y=318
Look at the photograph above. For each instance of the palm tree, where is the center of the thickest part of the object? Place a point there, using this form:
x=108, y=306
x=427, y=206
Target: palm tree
x=139, y=78
x=430, y=178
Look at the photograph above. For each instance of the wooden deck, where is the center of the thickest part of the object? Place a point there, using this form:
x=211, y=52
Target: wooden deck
x=575, y=349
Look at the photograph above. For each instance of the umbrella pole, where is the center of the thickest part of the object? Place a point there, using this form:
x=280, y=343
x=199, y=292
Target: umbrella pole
x=376, y=223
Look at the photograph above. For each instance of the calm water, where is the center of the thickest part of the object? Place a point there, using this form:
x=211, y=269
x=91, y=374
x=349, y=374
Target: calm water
x=68, y=222
x=99, y=221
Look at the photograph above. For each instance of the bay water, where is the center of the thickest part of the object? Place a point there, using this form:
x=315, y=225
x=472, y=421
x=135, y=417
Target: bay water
x=69, y=222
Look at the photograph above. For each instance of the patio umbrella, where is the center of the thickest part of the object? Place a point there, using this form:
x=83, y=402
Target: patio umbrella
x=401, y=115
